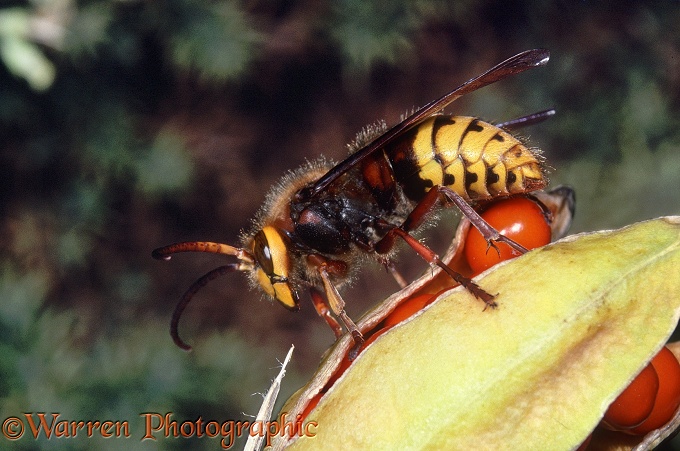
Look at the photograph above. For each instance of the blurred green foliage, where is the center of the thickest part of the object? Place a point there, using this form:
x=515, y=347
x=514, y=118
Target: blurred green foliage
x=125, y=125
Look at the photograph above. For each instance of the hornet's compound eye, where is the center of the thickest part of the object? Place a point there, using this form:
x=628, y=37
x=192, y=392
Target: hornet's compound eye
x=262, y=253
x=274, y=266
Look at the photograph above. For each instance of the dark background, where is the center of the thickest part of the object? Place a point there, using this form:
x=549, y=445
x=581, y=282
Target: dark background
x=127, y=125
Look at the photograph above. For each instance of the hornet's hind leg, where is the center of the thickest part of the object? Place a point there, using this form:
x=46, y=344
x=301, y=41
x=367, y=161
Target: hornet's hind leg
x=416, y=218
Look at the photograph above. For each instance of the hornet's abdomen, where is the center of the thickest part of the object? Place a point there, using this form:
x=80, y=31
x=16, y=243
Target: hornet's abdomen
x=475, y=159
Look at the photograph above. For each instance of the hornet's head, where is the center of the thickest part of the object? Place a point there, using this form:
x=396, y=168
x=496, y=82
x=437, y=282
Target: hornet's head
x=265, y=257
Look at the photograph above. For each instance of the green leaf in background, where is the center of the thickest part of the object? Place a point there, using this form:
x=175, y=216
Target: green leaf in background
x=381, y=32
x=23, y=58
x=166, y=167
x=216, y=40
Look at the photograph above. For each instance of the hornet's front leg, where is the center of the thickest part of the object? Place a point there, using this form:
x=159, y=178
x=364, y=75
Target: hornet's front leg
x=326, y=267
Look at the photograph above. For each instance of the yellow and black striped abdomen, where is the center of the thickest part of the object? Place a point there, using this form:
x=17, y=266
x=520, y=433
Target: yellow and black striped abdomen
x=472, y=157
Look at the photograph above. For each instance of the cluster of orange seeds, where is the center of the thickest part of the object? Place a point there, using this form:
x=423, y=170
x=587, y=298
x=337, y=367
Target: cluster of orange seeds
x=650, y=400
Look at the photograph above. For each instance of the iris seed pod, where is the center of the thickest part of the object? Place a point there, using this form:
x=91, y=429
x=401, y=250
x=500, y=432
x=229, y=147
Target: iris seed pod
x=576, y=321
